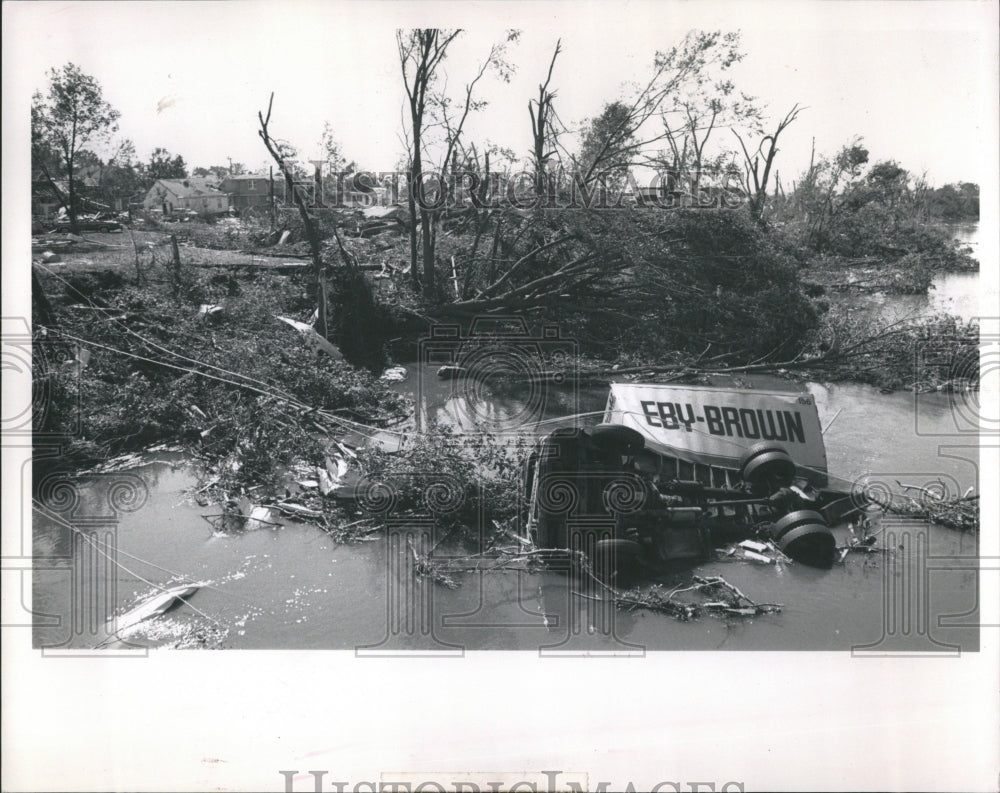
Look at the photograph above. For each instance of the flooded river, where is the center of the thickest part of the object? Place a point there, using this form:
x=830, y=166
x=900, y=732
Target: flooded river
x=963, y=294
x=106, y=543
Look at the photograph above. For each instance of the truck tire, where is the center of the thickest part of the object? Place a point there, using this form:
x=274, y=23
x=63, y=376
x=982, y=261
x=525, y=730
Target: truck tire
x=767, y=466
x=801, y=517
x=811, y=544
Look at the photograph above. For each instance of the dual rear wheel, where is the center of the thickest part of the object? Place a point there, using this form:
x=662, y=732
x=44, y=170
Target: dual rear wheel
x=805, y=536
x=767, y=467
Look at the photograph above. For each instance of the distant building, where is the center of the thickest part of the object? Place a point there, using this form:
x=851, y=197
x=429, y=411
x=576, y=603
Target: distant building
x=251, y=191
x=170, y=195
x=47, y=197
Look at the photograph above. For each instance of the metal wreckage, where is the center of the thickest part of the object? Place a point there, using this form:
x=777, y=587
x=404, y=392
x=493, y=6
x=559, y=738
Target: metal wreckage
x=674, y=471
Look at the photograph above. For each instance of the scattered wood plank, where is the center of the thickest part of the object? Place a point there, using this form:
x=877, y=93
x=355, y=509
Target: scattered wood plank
x=155, y=606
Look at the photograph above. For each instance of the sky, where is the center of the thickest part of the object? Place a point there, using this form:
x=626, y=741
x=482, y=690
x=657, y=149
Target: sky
x=917, y=80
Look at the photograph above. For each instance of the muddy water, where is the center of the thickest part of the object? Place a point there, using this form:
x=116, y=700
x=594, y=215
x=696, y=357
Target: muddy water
x=966, y=295
x=292, y=587
x=950, y=293
x=98, y=554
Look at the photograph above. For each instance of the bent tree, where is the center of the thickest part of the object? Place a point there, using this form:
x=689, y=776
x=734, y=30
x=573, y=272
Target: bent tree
x=757, y=166
x=71, y=116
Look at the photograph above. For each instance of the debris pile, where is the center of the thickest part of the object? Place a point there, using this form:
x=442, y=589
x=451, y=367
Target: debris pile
x=753, y=551
x=720, y=598
x=702, y=595
x=933, y=503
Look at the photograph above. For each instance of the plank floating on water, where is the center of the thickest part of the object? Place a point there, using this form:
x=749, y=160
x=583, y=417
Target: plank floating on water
x=155, y=606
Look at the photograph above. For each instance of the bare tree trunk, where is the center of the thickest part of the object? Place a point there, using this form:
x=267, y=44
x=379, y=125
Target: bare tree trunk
x=74, y=224
x=539, y=126
x=414, y=260
x=310, y=228
x=428, y=253
x=752, y=163
x=139, y=279
x=270, y=195
x=63, y=201
x=492, y=272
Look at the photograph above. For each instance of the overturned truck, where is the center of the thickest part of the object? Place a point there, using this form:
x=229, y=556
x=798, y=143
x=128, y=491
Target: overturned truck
x=674, y=471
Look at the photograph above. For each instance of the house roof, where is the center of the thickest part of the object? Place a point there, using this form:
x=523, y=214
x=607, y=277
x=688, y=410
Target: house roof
x=189, y=188
x=244, y=177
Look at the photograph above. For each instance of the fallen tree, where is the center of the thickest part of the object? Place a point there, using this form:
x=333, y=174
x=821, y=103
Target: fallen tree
x=641, y=280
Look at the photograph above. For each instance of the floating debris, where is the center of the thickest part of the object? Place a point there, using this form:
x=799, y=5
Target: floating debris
x=155, y=606
x=252, y=517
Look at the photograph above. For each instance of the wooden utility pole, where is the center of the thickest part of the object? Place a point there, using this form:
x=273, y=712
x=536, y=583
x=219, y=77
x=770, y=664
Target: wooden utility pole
x=270, y=194
x=177, y=265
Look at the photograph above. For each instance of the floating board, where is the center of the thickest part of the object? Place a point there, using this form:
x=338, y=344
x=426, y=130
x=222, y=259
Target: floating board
x=158, y=604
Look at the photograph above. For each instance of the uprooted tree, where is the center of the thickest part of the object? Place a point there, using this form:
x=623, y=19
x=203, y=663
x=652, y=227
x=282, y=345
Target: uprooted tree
x=618, y=276
x=349, y=316
x=282, y=153
x=612, y=274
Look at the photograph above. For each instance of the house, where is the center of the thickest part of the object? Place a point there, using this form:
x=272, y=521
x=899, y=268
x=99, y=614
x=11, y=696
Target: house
x=251, y=191
x=48, y=196
x=170, y=195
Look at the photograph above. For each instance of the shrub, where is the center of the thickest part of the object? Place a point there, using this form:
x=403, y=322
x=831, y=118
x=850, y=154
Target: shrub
x=466, y=482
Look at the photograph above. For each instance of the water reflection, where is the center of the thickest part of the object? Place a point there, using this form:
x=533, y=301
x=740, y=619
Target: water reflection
x=294, y=588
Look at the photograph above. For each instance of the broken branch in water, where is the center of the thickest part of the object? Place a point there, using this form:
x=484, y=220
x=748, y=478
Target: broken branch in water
x=726, y=599
x=424, y=567
x=961, y=512
x=937, y=495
